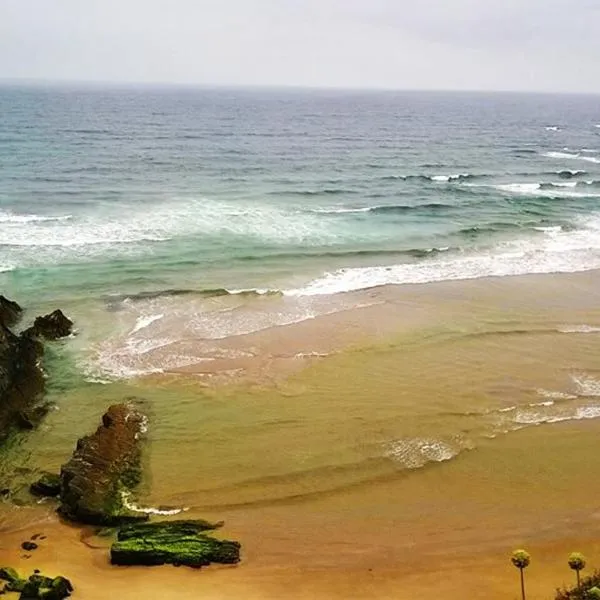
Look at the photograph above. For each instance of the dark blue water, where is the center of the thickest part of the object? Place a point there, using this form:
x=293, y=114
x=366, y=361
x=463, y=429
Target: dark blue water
x=129, y=190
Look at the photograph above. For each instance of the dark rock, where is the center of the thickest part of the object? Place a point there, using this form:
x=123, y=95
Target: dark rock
x=39, y=587
x=21, y=380
x=175, y=542
x=10, y=312
x=29, y=546
x=51, y=327
x=104, y=467
x=48, y=485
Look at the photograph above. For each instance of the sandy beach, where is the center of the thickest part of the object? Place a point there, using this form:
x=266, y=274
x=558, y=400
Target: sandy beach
x=400, y=448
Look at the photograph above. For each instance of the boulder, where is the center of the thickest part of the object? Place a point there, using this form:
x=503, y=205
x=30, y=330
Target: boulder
x=103, y=470
x=10, y=312
x=51, y=327
x=175, y=542
x=47, y=486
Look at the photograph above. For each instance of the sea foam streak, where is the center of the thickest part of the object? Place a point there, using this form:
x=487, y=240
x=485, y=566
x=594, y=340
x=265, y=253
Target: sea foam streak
x=417, y=452
x=572, y=156
x=554, y=252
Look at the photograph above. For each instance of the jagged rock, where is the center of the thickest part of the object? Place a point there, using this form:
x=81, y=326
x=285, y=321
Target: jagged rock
x=104, y=467
x=10, y=312
x=21, y=380
x=21, y=376
x=48, y=485
x=51, y=327
x=175, y=542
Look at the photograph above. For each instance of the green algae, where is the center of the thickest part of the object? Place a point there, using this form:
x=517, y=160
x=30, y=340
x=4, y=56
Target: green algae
x=176, y=543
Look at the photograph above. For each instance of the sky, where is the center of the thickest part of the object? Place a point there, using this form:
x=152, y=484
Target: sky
x=529, y=45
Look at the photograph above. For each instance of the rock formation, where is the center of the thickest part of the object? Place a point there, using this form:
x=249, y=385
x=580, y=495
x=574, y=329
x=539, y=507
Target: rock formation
x=51, y=327
x=104, y=467
x=21, y=376
x=176, y=543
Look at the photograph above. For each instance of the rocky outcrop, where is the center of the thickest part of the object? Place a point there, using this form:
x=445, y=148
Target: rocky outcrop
x=37, y=587
x=47, y=486
x=51, y=327
x=104, y=468
x=10, y=312
x=176, y=543
x=21, y=381
x=21, y=376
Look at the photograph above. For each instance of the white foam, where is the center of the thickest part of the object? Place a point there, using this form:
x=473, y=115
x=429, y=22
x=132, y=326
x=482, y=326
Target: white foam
x=341, y=210
x=553, y=395
x=166, y=512
x=579, y=329
x=139, y=224
x=572, y=156
x=417, y=452
x=554, y=252
x=581, y=413
x=536, y=189
x=144, y=321
x=446, y=178
x=586, y=385
x=9, y=217
x=549, y=229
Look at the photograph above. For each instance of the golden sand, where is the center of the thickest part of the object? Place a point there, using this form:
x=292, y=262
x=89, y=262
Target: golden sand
x=448, y=425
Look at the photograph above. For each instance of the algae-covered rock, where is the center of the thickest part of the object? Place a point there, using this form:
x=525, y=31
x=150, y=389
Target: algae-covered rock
x=10, y=575
x=48, y=485
x=103, y=469
x=175, y=543
x=37, y=587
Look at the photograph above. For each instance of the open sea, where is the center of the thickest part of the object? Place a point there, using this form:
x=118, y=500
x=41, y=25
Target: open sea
x=305, y=192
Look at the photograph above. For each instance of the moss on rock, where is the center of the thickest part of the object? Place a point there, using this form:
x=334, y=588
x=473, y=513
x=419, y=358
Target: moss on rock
x=175, y=543
x=37, y=587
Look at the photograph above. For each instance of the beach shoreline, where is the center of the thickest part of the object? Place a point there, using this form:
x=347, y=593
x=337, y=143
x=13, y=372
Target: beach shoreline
x=444, y=527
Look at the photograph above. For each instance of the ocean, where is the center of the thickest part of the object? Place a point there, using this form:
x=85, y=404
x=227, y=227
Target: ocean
x=363, y=326
x=305, y=192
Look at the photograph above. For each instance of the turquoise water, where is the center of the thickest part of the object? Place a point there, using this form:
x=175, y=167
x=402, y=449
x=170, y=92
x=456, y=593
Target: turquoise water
x=122, y=191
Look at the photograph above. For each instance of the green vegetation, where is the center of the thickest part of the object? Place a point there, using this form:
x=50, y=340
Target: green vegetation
x=175, y=543
x=37, y=587
x=521, y=560
x=577, y=563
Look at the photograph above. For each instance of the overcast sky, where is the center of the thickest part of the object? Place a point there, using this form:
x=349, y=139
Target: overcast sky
x=541, y=45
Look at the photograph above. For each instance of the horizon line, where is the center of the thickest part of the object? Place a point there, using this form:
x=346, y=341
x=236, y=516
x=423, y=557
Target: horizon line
x=98, y=83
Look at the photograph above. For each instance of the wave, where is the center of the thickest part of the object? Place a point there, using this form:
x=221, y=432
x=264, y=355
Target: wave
x=383, y=208
x=9, y=217
x=322, y=192
x=415, y=453
x=572, y=156
x=142, y=225
x=142, y=296
x=553, y=252
x=145, y=321
x=547, y=190
x=569, y=173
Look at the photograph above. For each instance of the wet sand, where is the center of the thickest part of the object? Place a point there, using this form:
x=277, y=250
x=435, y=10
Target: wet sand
x=303, y=462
